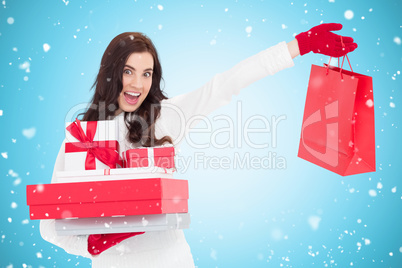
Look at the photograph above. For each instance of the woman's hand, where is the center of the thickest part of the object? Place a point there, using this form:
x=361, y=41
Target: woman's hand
x=319, y=39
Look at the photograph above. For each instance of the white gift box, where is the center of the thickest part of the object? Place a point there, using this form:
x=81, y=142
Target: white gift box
x=76, y=154
x=136, y=223
x=113, y=174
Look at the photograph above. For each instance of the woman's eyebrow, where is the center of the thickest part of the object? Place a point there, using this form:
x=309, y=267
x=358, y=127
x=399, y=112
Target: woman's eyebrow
x=131, y=67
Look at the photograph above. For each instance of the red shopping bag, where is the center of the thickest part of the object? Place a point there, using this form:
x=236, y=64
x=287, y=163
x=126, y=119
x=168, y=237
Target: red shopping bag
x=338, y=123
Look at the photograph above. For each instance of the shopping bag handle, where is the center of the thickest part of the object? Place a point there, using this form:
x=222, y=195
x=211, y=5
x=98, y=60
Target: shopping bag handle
x=343, y=59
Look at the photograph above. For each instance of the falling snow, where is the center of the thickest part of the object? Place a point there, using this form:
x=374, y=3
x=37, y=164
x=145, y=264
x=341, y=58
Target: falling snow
x=25, y=66
x=369, y=103
x=10, y=20
x=4, y=155
x=29, y=133
x=40, y=188
x=314, y=222
x=379, y=185
x=373, y=193
x=348, y=14
x=213, y=254
x=144, y=222
x=12, y=173
x=46, y=47
x=277, y=234
x=17, y=181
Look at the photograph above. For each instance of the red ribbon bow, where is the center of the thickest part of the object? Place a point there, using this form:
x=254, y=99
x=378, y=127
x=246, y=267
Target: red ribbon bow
x=104, y=151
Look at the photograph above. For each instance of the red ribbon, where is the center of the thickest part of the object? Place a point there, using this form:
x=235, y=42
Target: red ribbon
x=104, y=151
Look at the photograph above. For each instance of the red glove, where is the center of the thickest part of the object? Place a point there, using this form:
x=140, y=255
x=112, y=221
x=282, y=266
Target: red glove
x=319, y=39
x=98, y=243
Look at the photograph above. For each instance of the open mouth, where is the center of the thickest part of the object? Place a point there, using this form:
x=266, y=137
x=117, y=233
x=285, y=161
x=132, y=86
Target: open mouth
x=131, y=97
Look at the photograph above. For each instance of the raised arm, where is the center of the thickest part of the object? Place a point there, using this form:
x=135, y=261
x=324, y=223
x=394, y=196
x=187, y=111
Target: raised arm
x=178, y=113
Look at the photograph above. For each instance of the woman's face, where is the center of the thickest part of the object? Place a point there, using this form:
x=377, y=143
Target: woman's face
x=137, y=81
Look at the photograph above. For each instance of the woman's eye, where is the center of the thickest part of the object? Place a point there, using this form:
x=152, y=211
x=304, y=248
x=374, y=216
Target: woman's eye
x=147, y=74
x=127, y=71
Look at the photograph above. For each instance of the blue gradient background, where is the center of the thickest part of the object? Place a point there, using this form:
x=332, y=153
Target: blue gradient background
x=240, y=217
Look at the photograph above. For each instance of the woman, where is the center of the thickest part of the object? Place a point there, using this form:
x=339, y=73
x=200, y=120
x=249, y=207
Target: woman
x=127, y=89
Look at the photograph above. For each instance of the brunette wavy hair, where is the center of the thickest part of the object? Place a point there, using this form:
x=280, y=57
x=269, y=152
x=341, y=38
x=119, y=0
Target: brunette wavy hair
x=108, y=85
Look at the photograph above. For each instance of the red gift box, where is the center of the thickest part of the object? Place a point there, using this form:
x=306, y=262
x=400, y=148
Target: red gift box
x=151, y=156
x=107, y=198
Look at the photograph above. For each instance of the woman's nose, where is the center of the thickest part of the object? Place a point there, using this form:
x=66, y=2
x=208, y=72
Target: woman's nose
x=136, y=82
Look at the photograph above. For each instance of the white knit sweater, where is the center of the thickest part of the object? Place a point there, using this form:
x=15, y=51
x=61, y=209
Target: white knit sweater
x=169, y=248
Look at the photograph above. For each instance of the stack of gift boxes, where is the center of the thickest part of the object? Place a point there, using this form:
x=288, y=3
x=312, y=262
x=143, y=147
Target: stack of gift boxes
x=105, y=188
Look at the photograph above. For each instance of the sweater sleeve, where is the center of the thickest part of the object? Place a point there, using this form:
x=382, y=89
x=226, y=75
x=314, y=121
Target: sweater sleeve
x=179, y=114
x=76, y=245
